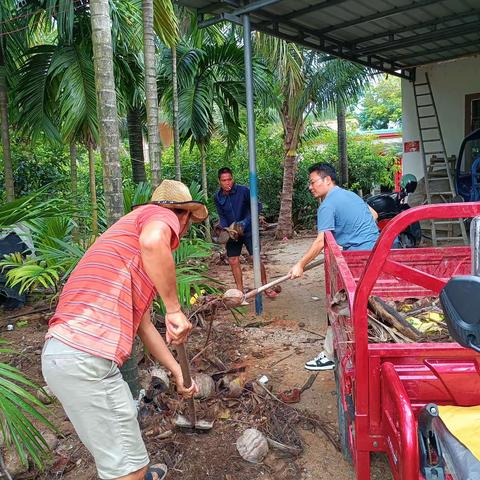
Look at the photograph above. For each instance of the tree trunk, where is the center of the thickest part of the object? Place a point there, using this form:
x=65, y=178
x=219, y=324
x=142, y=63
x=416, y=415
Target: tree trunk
x=74, y=181
x=107, y=108
x=93, y=188
x=342, y=143
x=73, y=170
x=135, y=140
x=203, y=157
x=5, y=126
x=285, y=223
x=176, y=133
x=151, y=93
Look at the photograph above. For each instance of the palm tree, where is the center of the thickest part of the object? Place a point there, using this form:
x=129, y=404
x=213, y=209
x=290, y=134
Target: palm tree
x=12, y=43
x=107, y=108
x=176, y=132
x=309, y=83
x=211, y=92
x=342, y=142
x=158, y=17
x=5, y=125
x=56, y=97
x=151, y=93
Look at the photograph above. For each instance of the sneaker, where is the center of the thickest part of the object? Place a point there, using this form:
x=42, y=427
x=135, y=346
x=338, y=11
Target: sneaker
x=156, y=472
x=320, y=362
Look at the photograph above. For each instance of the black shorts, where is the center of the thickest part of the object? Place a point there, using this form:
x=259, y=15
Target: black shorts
x=234, y=248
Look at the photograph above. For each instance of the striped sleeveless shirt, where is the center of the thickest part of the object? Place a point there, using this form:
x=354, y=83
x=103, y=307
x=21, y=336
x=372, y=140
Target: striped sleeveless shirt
x=108, y=292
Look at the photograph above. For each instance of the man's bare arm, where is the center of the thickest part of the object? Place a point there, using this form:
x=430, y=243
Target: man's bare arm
x=315, y=249
x=157, y=347
x=157, y=259
x=373, y=212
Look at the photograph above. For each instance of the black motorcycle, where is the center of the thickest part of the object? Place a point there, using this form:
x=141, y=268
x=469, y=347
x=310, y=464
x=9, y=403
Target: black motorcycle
x=389, y=205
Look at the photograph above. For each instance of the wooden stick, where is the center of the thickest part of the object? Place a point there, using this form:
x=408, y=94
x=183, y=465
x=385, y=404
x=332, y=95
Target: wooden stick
x=187, y=380
x=271, y=284
x=312, y=332
x=308, y=384
x=32, y=312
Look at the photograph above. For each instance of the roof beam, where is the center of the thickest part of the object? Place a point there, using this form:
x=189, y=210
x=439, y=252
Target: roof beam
x=430, y=51
x=377, y=63
x=211, y=7
x=326, y=43
x=443, y=59
x=379, y=15
x=254, y=6
x=426, y=37
x=430, y=23
x=311, y=8
x=221, y=17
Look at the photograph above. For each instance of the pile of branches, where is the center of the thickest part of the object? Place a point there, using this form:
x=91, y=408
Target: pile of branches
x=391, y=322
x=216, y=352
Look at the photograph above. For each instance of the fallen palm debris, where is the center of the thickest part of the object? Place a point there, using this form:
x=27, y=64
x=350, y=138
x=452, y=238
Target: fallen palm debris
x=407, y=321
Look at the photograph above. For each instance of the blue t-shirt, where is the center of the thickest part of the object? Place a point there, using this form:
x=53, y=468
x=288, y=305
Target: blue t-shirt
x=348, y=217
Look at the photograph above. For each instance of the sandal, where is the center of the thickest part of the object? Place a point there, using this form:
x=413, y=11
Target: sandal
x=271, y=293
x=156, y=472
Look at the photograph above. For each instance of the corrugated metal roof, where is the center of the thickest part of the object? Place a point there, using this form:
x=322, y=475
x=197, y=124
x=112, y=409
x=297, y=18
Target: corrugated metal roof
x=390, y=35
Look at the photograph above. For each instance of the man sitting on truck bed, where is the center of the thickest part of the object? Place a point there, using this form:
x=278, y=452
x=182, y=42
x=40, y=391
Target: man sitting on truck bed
x=352, y=223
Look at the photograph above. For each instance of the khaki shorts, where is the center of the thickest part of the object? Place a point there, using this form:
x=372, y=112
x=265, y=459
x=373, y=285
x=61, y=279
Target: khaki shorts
x=100, y=406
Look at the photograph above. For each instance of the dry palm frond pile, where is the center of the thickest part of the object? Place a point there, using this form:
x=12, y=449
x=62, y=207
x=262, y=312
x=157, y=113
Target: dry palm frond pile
x=236, y=400
x=408, y=321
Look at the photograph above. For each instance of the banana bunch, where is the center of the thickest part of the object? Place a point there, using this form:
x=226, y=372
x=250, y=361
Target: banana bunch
x=428, y=322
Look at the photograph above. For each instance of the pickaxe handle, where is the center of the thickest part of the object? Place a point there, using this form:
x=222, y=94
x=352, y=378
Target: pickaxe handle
x=278, y=280
x=187, y=379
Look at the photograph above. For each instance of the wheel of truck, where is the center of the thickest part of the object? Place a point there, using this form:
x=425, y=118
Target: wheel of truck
x=342, y=418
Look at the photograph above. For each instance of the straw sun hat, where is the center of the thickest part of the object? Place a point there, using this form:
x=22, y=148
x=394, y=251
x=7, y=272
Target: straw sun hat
x=174, y=194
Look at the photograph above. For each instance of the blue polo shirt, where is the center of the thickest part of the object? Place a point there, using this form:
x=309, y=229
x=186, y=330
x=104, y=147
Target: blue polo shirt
x=235, y=207
x=348, y=217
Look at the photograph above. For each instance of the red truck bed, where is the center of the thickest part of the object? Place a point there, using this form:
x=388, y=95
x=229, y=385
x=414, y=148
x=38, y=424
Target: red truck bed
x=381, y=387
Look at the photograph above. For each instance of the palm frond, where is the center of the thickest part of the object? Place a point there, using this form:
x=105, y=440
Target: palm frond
x=35, y=94
x=136, y=195
x=72, y=67
x=32, y=207
x=165, y=22
x=17, y=409
x=29, y=274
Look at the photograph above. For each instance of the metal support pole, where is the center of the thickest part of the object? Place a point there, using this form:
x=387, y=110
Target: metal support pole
x=252, y=159
x=475, y=245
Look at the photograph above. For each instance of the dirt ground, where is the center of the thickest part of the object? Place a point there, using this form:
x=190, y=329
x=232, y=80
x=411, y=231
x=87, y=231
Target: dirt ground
x=290, y=332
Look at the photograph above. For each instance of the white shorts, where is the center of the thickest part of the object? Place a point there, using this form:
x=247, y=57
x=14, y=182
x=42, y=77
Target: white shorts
x=100, y=406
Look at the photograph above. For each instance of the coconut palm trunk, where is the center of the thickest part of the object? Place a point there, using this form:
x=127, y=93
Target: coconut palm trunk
x=74, y=180
x=93, y=188
x=291, y=139
x=151, y=92
x=135, y=140
x=176, y=133
x=73, y=170
x=342, y=142
x=203, y=158
x=5, y=127
x=107, y=108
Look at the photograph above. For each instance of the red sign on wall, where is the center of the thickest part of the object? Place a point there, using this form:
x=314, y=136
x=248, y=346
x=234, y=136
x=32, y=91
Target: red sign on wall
x=413, y=146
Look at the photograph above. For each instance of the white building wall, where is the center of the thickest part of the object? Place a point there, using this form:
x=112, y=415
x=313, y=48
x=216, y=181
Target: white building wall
x=450, y=82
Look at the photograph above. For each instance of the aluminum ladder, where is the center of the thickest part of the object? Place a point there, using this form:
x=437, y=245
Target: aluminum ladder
x=439, y=182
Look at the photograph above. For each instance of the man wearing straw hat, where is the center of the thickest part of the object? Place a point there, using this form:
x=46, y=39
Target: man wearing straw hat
x=103, y=306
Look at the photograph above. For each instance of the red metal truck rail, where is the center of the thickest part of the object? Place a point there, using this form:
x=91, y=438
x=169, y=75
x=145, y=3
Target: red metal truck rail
x=382, y=386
